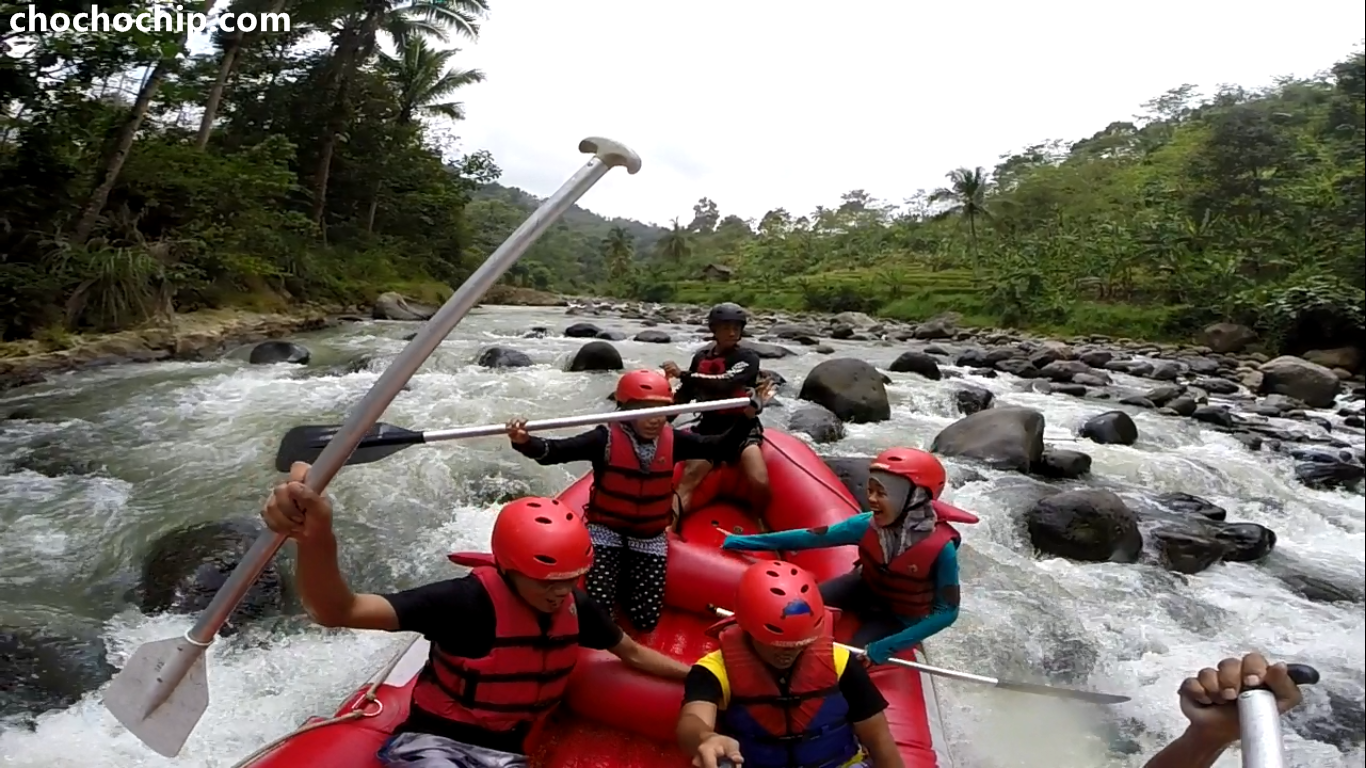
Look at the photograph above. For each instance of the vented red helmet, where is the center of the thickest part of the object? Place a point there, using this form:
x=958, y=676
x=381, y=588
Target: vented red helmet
x=643, y=386
x=541, y=539
x=920, y=467
x=779, y=603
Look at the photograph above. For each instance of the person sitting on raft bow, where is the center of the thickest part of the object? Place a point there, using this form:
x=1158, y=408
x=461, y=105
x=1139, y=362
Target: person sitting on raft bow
x=905, y=587
x=779, y=693
x=632, y=501
x=515, y=627
x=723, y=370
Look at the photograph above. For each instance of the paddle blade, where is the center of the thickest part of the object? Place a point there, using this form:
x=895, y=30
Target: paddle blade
x=306, y=442
x=158, y=706
x=1063, y=693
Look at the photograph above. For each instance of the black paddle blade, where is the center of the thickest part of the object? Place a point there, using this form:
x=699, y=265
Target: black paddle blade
x=1063, y=693
x=306, y=442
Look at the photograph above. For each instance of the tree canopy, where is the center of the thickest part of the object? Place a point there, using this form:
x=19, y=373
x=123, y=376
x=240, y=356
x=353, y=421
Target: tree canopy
x=137, y=179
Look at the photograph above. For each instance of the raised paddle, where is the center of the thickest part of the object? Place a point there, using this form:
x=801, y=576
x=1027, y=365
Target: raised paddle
x=383, y=440
x=1259, y=721
x=163, y=689
x=1006, y=685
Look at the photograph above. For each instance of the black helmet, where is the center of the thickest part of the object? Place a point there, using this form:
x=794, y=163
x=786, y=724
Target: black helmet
x=727, y=312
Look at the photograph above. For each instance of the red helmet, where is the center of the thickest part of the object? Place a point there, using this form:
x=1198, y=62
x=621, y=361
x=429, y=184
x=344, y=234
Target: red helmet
x=541, y=539
x=778, y=603
x=643, y=386
x=920, y=467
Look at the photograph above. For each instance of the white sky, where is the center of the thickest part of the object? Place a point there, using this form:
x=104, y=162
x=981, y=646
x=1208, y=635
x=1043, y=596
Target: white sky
x=759, y=103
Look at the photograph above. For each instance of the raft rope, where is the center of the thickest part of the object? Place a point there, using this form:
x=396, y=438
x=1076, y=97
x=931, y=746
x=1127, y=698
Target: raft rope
x=367, y=705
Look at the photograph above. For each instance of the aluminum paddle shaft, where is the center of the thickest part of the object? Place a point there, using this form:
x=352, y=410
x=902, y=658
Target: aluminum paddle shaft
x=564, y=422
x=144, y=695
x=1259, y=721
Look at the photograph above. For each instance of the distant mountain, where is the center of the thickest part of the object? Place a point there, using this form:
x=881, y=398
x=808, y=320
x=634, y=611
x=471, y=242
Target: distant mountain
x=579, y=220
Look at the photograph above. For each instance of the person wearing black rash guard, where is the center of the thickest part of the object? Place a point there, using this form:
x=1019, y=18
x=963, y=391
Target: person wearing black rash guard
x=724, y=369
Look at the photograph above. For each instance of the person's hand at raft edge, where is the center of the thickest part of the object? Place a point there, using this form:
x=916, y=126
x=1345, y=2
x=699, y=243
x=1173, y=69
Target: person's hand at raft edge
x=1209, y=702
x=295, y=510
x=517, y=432
x=716, y=748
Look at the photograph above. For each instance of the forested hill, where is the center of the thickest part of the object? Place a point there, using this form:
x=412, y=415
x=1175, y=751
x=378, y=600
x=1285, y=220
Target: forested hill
x=1243, y=205
x=570, y=256
x=138, y=178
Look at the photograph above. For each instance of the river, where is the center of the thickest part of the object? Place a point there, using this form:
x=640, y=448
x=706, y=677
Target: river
x=175, y=443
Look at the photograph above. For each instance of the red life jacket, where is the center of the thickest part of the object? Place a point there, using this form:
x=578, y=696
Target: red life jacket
x=715, y=366
x=906, y=583
x=628, y=500
x=519, y=681
x=805, y=725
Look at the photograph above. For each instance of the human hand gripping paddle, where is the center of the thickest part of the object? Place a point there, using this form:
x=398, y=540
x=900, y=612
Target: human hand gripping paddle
x=307, y=442
x=162, y=691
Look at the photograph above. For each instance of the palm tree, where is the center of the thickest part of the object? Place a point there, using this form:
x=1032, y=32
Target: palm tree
x=966, y=197
x=227, y=61
x=357, y=40
x=420, y=79
x=675, y=245
x=113, y=163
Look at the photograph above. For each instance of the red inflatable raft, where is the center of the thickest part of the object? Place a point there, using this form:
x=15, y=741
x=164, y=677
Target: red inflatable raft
x=618, y=718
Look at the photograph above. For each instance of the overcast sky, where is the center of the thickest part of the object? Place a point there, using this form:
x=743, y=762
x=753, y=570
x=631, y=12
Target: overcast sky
x=760, y=103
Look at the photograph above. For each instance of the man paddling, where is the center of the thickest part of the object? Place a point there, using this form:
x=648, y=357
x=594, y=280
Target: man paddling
x=724, y=369
x=504, y=639
x=779, y=693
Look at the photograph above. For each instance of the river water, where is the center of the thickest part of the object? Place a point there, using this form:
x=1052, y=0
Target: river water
x=176, y=443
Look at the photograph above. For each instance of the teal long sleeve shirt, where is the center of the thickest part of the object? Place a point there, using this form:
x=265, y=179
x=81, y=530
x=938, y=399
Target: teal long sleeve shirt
x=945, y=572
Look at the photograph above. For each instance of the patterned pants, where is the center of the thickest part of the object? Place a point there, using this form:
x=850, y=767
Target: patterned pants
x=423, y=750
x=630, y=569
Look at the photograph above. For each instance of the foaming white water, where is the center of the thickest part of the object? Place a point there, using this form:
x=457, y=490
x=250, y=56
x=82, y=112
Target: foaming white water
x=190, y=442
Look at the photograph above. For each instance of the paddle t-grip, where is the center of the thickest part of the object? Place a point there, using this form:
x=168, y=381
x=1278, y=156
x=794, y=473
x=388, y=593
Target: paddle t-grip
x=1259, y=720
x=611, y=153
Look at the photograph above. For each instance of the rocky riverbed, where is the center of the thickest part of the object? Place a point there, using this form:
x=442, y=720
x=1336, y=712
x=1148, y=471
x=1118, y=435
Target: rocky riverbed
x=1145, y=508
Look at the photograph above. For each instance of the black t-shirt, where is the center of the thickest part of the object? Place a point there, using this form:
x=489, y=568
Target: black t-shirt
x=740, y=369
x=864, y=699
x=457, y=616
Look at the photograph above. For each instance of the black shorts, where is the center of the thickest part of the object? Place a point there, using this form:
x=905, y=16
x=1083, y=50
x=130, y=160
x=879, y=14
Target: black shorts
x=755, y=436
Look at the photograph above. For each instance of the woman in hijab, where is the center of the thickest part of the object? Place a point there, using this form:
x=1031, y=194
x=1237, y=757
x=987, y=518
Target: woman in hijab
x=905, y=587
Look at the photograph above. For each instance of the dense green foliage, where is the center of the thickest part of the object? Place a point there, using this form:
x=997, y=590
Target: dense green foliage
x=263, y=170
x=271, y=169
x=1244, y=206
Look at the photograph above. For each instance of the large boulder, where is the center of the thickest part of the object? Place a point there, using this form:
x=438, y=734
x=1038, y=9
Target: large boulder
x=1004, y=438
x=1294, y=377
x=392, y=306
x=1227, y=338
x=42, y=671
x=852, y=389
x=1090, y=525
x=185, y=568
x=270, y=352
x=917, y=363
x=1110, y=428
x=503, y=357
x=816, y=421
x=596, y=356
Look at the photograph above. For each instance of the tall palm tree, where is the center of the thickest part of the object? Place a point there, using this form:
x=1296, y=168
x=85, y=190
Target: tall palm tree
x=232, y=46
x=421, y=79
x=966, y=197
x=113, y=162
x=674, y=244
x=357, y=40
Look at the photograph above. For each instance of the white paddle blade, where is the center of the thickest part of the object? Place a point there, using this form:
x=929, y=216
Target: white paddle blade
x=157, y=705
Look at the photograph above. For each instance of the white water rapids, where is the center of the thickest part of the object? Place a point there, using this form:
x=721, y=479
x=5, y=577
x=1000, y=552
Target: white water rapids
x=177, y=443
